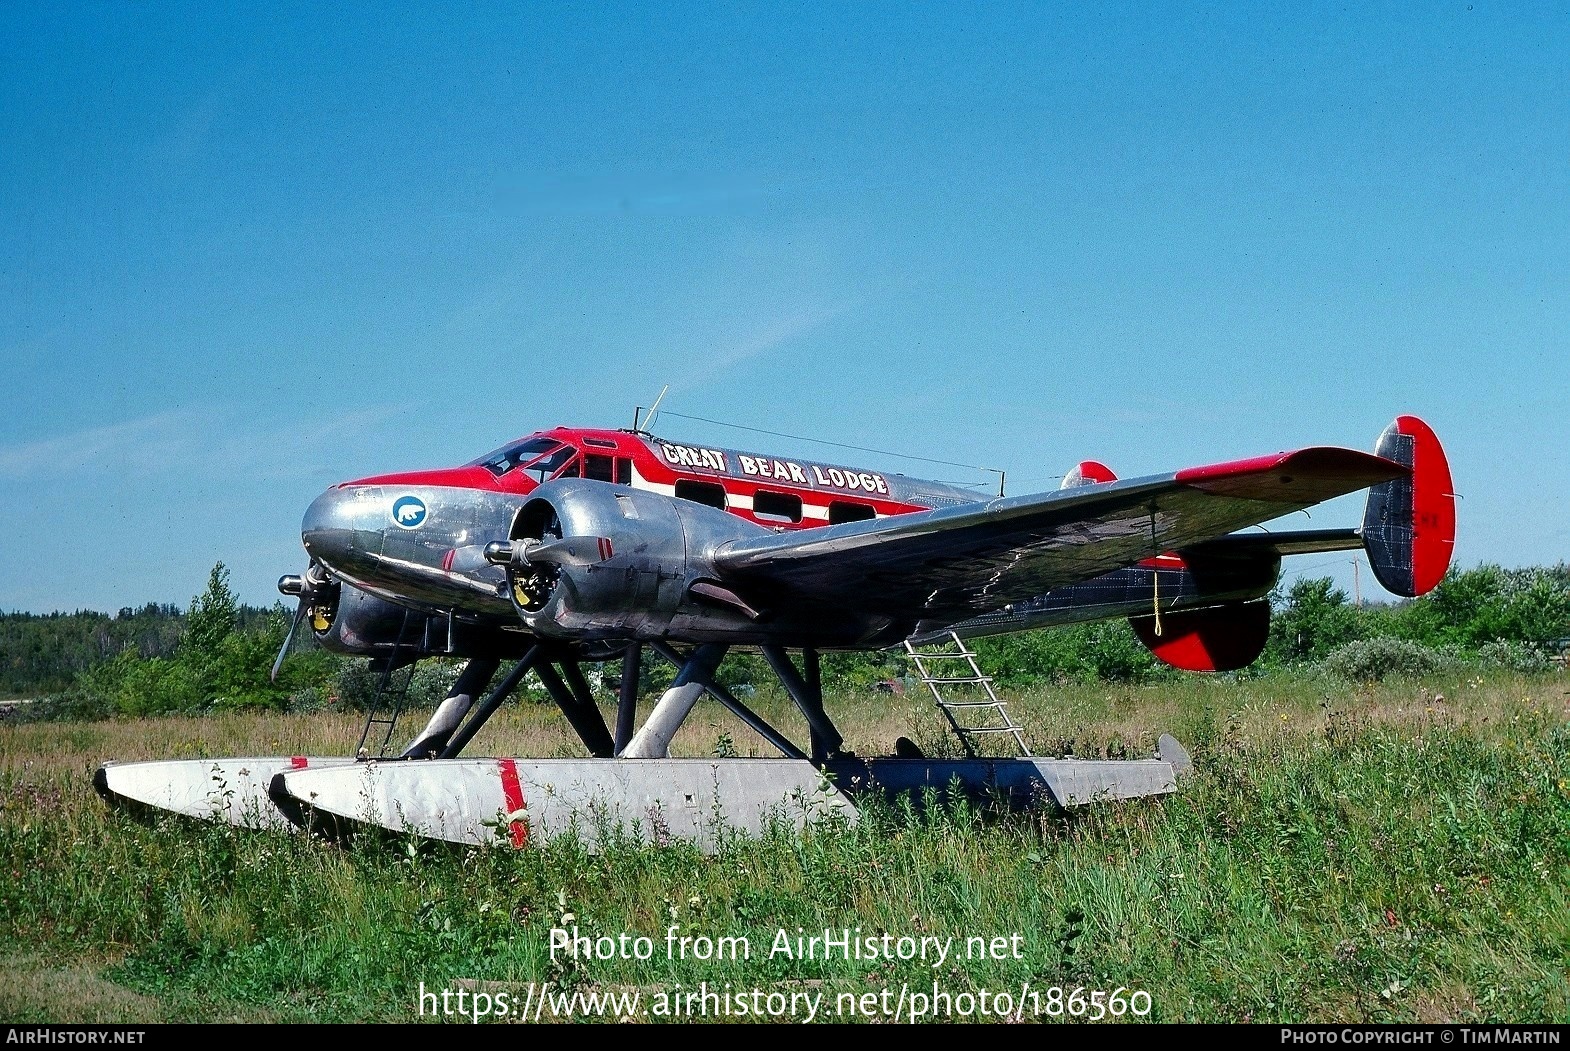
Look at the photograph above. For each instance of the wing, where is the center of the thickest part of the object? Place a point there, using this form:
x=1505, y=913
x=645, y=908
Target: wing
x=959, y=562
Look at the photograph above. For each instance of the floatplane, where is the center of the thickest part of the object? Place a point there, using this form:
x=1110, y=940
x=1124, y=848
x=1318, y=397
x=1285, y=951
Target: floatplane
x=574, y=546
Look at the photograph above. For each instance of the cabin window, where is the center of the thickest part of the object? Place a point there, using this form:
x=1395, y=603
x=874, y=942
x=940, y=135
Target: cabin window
x=599, y=443
x=599, y=468
x=623, y=471
x=701, y=493
x=776, y=507
x=845, y=511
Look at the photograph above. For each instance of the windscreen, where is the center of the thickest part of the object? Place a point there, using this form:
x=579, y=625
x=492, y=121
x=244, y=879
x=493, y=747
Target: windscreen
x=502, y=460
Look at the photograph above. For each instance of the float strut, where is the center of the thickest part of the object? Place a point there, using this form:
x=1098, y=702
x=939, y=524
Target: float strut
x=739, y=710
x=472, y=681
x=578, y=707
x=627, y=703
x=488, y=707
x=653, y=741
x=808, y=695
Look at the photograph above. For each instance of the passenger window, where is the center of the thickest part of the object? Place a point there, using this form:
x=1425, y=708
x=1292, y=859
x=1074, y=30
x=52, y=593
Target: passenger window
x=701, y=493
x=776, y=507
x=843, y=511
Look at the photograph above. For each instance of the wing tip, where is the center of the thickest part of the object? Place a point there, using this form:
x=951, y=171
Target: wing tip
x=1314, y=474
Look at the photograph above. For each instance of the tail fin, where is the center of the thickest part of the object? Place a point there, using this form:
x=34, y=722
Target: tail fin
x=1409, y=524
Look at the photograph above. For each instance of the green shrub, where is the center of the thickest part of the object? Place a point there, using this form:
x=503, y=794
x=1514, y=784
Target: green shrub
x=1372, y=660
x=1310, y=621
x=1513, y=656
x=432, y=681
x=70, y=705
x=1107, y=651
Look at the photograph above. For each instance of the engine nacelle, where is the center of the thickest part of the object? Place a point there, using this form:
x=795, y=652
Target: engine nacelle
x=359, y=624
x=345, y=619
x=592, y=559
x=1216, y=638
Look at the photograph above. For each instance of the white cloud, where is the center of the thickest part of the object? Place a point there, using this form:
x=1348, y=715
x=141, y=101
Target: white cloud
x=143, y=444
x=194, y=442
x=763, y=340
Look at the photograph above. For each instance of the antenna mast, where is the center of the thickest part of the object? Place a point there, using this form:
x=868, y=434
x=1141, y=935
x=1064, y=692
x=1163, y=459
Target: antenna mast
x=654, y=411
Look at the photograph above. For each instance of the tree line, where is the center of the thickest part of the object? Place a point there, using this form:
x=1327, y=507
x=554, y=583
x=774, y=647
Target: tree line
x=217, y=654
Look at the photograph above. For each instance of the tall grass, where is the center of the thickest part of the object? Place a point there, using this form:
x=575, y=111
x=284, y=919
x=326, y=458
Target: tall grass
x=1377, y=855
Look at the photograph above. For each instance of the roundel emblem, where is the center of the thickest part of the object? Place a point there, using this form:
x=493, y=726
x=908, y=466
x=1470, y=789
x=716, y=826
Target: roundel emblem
x=408, y=512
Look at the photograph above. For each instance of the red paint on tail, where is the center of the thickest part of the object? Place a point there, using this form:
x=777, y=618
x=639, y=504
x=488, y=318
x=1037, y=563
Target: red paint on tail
x=1433, y=505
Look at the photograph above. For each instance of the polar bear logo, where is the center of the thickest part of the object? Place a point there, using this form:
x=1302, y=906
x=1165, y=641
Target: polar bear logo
x=408, y=512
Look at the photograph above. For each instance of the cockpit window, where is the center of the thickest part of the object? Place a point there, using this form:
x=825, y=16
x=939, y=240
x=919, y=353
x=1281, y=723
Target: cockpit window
x=547, y=466
x=517, y=454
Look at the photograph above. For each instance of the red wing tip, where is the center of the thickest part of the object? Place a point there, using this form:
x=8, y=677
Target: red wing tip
x=1231, y=468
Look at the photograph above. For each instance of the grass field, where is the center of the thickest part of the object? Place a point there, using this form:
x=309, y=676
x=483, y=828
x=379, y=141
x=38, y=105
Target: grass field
x=1393, y=853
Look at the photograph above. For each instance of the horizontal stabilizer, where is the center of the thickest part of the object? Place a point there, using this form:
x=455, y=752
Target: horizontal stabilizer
x=1264, y=545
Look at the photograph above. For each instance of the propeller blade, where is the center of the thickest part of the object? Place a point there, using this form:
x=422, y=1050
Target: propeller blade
x=299, y=615
x=573, y=551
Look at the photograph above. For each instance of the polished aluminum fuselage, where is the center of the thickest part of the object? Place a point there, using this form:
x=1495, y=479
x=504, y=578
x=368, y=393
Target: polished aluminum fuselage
x=417, y=541
x=435, y=564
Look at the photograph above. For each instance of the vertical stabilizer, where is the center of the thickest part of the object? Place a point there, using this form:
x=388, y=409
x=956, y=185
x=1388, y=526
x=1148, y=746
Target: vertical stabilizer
x=1409, y=524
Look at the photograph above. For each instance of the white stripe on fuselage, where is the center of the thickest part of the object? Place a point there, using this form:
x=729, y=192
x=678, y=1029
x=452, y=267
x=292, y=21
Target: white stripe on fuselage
x=733, y=501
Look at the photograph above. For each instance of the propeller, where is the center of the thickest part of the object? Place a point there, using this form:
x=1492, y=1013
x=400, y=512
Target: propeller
x=534, y=565
x=318, y=594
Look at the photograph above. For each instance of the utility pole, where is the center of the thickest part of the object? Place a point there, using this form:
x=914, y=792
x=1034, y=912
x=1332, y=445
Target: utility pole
x=1357, y=584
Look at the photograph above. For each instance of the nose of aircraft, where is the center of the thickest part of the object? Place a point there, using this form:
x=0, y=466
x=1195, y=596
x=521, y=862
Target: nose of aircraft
x=335, y=526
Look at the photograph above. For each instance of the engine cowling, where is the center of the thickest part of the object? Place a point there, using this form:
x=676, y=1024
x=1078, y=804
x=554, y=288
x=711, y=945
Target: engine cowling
x=358, y=624
x=590, y=559
x=347, y=620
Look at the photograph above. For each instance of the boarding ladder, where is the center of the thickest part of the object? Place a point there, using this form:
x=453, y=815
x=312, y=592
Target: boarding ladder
x=388, y=701
x=942, y=670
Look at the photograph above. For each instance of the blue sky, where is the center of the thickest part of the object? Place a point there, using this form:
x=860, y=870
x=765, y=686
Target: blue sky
x=249, y=253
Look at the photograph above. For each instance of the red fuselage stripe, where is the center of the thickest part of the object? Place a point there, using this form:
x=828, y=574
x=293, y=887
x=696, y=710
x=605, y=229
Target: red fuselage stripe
x=654, y=469
x=298, y=762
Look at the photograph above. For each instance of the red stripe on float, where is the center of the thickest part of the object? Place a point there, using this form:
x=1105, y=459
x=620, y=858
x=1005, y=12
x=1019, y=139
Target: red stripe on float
x=298, y=762
x=512, y=795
